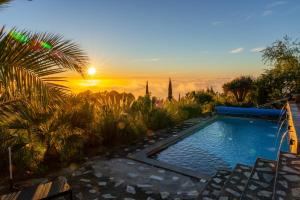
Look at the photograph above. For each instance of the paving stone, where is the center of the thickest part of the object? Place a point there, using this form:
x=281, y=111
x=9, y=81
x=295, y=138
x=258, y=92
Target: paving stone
x=132, y=175
x=193, y=193
x=264, y=193
x=93, y=191
x=268, y=177
x=130, y=189
x=188, y=184
x=158, y=178
x=79, y=196
x=164, y=195
x=293, y=178
x=98, y=174
x=217, y=180
x=85, y=180
x=102, y=183
x=108, y=196
x=296, y=192
x=290, y=170
x=231, y=191
x=144, y=185
x=119, y=182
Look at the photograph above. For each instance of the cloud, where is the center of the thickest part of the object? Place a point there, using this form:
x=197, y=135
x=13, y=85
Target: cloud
x=147, y=60
x=275, y=4
x=266, y=13
x=257, y=49
x=216, y=23
x=237, y=50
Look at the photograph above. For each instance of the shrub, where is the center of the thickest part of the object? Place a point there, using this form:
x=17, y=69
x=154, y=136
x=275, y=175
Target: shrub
x=159, y=118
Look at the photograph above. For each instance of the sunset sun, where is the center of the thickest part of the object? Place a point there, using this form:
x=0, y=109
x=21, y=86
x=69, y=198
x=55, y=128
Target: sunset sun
x=91, y=71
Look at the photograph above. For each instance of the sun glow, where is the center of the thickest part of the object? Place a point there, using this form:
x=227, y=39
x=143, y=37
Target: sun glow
x=91, y=71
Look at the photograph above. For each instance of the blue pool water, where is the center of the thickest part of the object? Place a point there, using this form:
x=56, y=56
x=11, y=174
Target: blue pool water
x=224, y=143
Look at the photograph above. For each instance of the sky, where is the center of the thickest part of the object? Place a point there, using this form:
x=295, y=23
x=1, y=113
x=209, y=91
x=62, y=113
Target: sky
x=198, y=43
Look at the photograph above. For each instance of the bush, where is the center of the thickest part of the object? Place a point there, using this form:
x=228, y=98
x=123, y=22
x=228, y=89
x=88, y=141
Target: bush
x=159, y=118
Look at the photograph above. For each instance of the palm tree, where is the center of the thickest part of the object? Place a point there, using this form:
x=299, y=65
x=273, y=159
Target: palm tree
x=30, y=64
x=239, y=87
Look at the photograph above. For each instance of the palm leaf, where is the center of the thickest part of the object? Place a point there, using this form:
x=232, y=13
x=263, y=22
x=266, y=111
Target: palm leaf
x=31, y=72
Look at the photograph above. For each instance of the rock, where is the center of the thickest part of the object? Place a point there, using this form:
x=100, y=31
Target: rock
x=126, y=149
x=130, y=189
x=161, y=171
x=103, y=183
x=89, y=185
x=164, y=195
x=128, y=198
x=158, y=178
x=149, y=198
x=85, y=180
x=252, y=187
x=108, y=196
x=175, y=178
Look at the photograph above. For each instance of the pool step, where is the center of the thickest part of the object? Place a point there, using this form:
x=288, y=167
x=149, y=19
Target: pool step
x=236, y=183
x=261, y=182
x=288, y=178
x=214, y=186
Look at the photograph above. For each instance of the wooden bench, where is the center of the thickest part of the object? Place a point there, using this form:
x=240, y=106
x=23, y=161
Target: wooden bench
x=49, y=190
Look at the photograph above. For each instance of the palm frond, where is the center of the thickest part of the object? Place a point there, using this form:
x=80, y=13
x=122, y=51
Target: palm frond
x=30, y=71
x=4, y=2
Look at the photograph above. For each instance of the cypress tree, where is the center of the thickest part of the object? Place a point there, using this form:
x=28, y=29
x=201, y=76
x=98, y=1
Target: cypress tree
x=170, y=92
x=147, y=88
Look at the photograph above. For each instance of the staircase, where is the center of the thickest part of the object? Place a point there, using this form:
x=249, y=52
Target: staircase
x=258, y=182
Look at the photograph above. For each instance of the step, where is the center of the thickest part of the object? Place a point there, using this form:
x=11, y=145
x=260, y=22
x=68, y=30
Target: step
x=236, y=183
x=214, y=186
x=261, y=182
x=288, y=178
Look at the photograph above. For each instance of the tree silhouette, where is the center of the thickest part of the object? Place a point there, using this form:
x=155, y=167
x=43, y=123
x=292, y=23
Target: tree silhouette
x=170, y=92
x=147, y=89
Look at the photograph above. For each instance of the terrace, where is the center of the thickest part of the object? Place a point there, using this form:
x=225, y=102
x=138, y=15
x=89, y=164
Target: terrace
x=130, y=173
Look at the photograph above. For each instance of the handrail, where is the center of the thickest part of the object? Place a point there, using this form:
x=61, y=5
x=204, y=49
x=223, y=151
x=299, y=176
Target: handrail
x=277, y=165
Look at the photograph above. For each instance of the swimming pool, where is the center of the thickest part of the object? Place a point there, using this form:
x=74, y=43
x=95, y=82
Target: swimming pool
x=222, y=144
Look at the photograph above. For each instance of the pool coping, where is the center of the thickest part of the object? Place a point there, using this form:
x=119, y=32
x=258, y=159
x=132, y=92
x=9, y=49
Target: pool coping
x=144, y=155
